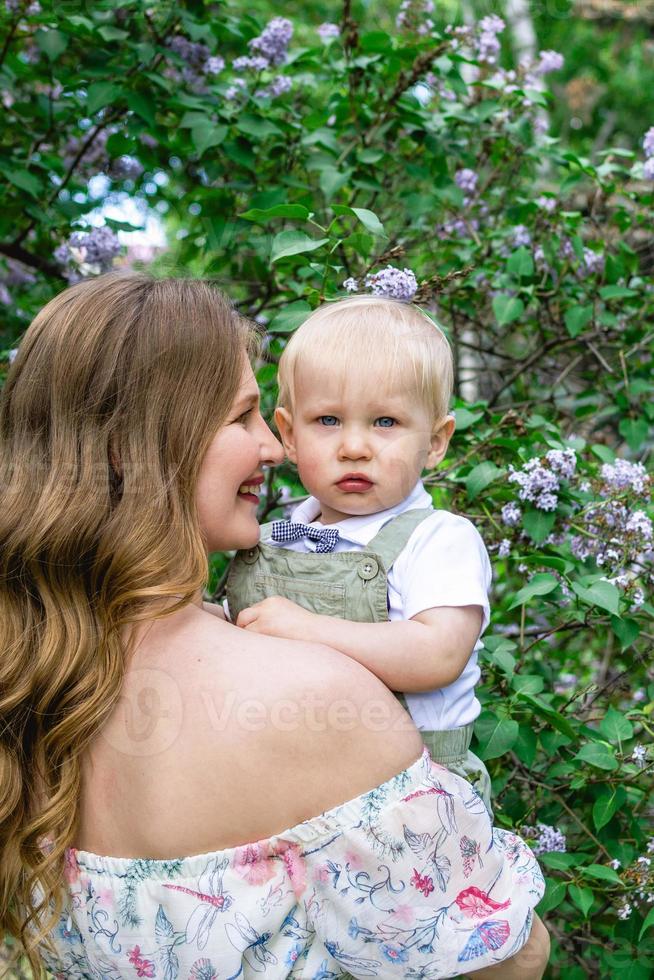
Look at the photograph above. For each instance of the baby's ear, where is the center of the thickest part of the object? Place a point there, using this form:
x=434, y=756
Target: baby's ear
x=440, y=440
x=284, y=422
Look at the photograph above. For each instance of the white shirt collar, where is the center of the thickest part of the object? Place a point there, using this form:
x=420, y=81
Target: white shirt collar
x=361, y=530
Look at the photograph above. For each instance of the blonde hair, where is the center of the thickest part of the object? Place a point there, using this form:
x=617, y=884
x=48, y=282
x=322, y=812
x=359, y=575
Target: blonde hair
x=390, y=340
x=118, y=387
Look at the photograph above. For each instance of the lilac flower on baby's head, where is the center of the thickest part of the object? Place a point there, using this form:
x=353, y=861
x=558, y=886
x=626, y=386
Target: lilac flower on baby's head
x=327, y=31
x=648, y=142
x=466, y=179
x=549, y=61
x=272, y=44
x=392, y=282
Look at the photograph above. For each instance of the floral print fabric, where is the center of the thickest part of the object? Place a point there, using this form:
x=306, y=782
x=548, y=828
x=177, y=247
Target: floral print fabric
x=408, y=880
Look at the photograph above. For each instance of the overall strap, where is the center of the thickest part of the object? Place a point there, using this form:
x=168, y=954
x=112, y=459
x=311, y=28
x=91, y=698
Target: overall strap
x=392, y=538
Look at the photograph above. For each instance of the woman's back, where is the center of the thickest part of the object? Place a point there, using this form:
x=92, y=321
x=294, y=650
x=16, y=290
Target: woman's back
x=223, y=737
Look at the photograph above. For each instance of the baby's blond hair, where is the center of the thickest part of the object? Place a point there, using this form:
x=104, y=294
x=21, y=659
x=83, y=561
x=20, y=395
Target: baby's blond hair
x=389, y=339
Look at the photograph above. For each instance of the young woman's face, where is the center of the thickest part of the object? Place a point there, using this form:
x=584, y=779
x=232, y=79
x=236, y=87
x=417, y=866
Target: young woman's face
x=231, y=472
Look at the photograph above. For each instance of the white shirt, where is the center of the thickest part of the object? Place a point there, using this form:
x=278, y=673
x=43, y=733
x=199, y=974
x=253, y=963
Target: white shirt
x=444, y=563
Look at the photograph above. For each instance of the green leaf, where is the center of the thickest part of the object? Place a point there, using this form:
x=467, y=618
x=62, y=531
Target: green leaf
x=142, y=106
x=647, y=924
x=602, y=594
x=617, y=292
x=607, y=804
x=559, y=860
x=52, y=43
x=615, y=727
x=111, y=33
x=540, y=584
x=261, y=215
x=555, y=719
x=495, y=735
x=521, y=263
x=465, y=418
x=598, y=754
x=101, y=94
x=583, y=898
x=526, y=745
x=538, y=523
x=257, y=127
x=204, y=137
x=554, y=895
x=576, y=318
x=605, y=453
x=635, y=431
x=626, y=630
x=507, y=308
x=22, y=178
x=332, y=180
x=480, y=477
x=602, y=873
x=290, y=317
x=292, y=243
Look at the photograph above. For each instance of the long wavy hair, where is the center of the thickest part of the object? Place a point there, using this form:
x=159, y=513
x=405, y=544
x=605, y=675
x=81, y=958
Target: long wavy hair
x=118, y=387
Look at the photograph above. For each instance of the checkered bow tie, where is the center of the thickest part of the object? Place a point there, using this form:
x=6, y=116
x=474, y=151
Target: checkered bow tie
x=327, y=538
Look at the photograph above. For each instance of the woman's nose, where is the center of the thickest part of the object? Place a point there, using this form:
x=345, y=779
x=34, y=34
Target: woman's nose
x=272, y=451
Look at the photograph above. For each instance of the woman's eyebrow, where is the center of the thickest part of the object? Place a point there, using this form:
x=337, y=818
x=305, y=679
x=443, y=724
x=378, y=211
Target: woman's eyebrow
x=250, y=399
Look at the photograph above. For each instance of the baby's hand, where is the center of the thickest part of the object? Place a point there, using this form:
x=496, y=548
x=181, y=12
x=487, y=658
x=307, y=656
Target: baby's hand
x=279, y=617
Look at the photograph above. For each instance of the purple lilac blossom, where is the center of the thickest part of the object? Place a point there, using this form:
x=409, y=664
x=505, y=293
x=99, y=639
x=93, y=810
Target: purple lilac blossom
x=279, y=85
x=5, y=295
x=488, y=46
x=546, y=203
x=504, y=549
x=235, y=90
x=637, y=598
x=214, y=65
x=543, y=838
x=256, y=63
x=94, y=250
x=195, y=55
x=351, y=285
x=639, y=523
x=521, y=236
x=272, y=44
x=548, y=61
x=592, y=262
x=648, y=169
x=466, y=179
x=563, y=462
x=648, y=142
x=538, y=484
x=392, y=282
x=639, y=755
x=327, y=31
x=623, y=475
x=511, y=514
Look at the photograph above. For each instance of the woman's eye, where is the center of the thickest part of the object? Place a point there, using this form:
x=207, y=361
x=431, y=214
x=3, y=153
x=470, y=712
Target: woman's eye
x=386, y=422
x=328, y=420
x=245, y=416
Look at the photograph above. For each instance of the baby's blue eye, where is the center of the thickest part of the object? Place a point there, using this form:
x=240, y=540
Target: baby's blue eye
x=386, y=422
x=328, y=420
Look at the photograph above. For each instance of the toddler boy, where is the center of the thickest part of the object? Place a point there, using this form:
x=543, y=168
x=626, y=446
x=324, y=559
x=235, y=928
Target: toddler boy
x=366, y=564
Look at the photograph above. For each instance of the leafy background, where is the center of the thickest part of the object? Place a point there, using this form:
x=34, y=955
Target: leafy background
x=515, y=187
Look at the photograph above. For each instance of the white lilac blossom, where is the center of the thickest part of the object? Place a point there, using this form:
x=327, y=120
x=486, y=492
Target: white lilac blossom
x=504, y=549
x=637, y=600
x=548, y=61
x=521, y=236
x=563, y=462
x=351, y=284
x=392, y=282
x=543, y=838
x=639, y=523
x=592, y=262
x=272, y=44
x=511, y=514
x=414, y=15
x=648, y=142
x=650, y=845
x=466, y=179
x=214, y=65
x=327, y=31
x=623, y=475
x=615, y=864
x=639, y=755
x=506, y=79
x=625, y=910
x=538, y=484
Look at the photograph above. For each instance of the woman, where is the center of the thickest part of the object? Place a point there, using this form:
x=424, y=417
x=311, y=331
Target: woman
x=135, y=722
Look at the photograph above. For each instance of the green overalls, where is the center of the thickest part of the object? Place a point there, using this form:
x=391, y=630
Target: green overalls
x=349, y=585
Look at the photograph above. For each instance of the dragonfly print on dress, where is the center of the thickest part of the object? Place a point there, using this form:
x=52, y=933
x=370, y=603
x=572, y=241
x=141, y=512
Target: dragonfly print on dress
x=212, y=897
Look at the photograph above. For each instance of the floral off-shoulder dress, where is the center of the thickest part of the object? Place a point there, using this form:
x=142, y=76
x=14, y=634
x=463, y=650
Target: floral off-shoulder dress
x=408, y=880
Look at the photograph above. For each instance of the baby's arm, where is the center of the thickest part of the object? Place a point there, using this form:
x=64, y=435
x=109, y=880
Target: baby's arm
x=426, y=652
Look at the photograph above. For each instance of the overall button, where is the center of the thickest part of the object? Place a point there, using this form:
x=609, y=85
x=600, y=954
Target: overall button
x=251, y=555
x=367, y=568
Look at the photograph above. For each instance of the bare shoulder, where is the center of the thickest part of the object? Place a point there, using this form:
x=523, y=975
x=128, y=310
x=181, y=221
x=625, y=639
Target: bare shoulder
x=297, y=725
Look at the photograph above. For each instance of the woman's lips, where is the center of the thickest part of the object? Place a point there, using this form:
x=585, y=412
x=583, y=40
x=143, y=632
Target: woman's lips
x=354, y=484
